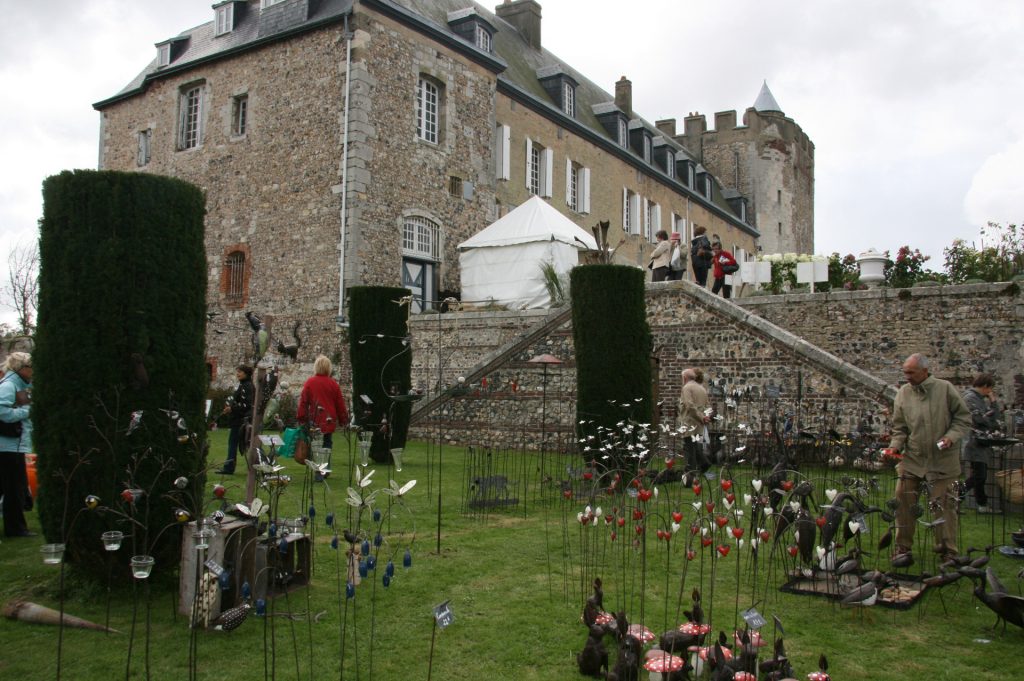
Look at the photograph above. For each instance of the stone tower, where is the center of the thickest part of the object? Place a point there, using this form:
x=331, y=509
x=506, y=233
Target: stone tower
x=770, y=161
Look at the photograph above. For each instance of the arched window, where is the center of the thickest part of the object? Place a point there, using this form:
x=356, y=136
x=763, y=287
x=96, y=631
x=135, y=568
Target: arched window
x=421, y=249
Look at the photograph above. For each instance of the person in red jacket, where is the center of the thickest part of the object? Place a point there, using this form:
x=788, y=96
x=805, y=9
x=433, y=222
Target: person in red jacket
x=721, y=259
x=321, y=402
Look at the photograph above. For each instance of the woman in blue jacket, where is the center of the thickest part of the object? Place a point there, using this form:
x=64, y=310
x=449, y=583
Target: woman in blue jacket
x=15, y=441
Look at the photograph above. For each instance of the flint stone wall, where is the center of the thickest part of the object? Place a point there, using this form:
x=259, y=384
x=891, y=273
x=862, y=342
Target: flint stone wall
x=765, y=353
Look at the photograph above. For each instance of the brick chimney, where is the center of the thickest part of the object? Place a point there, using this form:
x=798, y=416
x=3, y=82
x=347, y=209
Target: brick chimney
x=624, y=96
x=524, y=15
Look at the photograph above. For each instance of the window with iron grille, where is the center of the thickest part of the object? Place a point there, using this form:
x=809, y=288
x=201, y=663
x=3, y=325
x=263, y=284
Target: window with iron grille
x=234, y=278
x=190, y=118
x=427, y=105
x=145, y=138
x=239, y=115
x=420, y=238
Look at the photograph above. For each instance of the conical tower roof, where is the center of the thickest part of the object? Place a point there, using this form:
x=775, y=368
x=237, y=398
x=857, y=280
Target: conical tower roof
x=766, y=100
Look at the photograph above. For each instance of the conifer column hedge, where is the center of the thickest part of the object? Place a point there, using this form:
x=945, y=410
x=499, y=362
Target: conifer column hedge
x=122, y=302
x=381, y=364
x=613, y=346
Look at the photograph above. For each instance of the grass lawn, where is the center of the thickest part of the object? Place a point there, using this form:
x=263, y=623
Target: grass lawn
x=516, y=582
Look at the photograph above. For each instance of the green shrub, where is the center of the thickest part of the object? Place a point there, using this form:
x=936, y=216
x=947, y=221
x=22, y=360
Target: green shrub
x=613, y=346
x=381, y=364
x=122, y=302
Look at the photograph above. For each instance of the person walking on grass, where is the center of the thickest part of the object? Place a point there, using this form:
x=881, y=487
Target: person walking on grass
x=928, y=418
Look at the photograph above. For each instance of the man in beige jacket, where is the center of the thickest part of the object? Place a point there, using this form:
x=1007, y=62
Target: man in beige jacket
x=929, y=416
x=693, y=405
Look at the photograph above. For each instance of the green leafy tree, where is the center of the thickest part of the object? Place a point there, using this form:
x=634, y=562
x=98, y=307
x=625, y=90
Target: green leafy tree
x=119, y=360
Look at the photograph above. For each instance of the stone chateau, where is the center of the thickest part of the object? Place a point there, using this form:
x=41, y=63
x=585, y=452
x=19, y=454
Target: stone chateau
x=345, y=143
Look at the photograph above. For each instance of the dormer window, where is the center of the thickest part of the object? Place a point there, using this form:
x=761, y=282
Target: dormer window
x=568, y=99
x=690, y=175
x=224, y=18
x=670, y=163
x=472, y=28
x=647, y=148
x=623, y=133
x=169, y=50
x=483, y=38
x=560, y=86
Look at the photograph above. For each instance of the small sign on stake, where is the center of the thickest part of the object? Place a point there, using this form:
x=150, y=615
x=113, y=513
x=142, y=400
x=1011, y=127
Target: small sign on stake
x=213, y=567
x=443, y=614
x=754, y=619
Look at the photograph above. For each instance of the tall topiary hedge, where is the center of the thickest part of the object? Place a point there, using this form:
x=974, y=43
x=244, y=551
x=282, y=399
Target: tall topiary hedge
x=613, y=346
x=120, y=373
x=381, y=364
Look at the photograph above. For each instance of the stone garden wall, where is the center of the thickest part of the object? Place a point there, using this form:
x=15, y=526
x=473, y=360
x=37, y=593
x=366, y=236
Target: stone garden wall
x=820, y=361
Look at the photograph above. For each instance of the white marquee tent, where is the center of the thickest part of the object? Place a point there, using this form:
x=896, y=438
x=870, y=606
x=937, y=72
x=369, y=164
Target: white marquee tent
x=503, y=261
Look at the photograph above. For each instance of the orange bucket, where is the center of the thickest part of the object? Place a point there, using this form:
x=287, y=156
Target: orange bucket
x=30, y=470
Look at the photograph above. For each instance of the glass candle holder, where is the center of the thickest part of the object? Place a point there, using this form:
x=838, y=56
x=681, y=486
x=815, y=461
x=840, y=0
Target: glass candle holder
x=142, y=566
x=365, y=440
x=201, y=537
x=396, y=455
x=112, y=540
x=53, y=554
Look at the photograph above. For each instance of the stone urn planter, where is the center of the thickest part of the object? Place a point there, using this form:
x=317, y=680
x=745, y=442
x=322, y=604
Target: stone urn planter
x=872, y=267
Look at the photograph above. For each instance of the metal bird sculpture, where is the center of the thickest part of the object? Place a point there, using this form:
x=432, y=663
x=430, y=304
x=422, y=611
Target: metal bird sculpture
x=232, y=618
x=291, y=349
x=260, y=335
x=1007, y=607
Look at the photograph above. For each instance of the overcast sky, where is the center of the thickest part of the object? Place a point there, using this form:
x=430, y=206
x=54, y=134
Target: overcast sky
x=914, y=106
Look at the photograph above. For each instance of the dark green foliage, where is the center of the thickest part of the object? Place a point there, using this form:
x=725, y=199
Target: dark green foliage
x=381, y=364
x=122, y=290
x=613, y=346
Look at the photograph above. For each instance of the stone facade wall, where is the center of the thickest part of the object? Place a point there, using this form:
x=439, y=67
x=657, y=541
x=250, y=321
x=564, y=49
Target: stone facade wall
x=269, y=189
x=963, y=330
x=775, y=171
x=403, y=175
x=608, y=178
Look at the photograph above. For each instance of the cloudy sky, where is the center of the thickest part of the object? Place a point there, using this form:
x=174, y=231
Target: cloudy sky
x=914, y=106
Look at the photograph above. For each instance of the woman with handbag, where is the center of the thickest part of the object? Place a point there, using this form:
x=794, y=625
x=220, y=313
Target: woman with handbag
x=15, y=441
x=724, y=264
x=660, y=257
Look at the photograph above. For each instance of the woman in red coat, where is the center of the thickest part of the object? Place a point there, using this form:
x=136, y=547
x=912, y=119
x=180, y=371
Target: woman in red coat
x=321, y=402
x=720, y=258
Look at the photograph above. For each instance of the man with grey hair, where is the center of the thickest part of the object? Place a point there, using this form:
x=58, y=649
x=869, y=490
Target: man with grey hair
x=929, y=416
x=693, y=404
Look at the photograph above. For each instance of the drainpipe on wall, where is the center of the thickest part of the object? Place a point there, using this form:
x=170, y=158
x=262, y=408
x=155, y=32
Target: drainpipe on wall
x=341, y=321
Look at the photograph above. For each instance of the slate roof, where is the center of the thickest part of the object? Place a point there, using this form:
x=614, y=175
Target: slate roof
x=516, y=63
